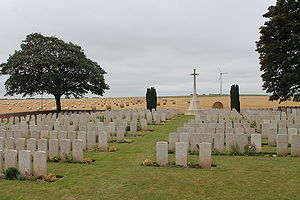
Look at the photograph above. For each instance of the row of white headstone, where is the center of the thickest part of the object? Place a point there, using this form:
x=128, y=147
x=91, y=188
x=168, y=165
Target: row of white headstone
x=81, y=122
x=107, y=116
x=230, y=140
x=64, y=148
x=25, y=161
x=181, y=154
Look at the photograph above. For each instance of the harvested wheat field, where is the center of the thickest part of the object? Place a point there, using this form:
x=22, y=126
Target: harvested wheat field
x=181, y=103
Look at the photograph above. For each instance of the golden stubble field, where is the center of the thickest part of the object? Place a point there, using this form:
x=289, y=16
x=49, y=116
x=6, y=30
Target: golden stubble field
x=181, y=103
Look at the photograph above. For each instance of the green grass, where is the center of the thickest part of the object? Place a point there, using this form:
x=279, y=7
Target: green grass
x=118, y=175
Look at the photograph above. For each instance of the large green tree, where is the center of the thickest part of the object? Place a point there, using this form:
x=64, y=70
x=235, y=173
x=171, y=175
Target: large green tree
x=50, y=65
x=279, y=50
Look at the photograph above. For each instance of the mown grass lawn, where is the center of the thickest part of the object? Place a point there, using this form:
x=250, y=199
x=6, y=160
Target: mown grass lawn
x=118, y=175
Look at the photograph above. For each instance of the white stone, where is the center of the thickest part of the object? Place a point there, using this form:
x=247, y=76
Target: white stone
x=272, y=136
x=53, y=134
x=205, y=155
x=133, y=127
x=31, y=145
x=43, y=145
x=1, y=162
x=20, y=144
x=120, y=133
x=40, y=163
x=242, y=141
x=45, y=134
x=230, y=141
x=2, y=143
x=184, y=137
x=25, y=162
x=282, y=144
x=103, y=140
x=162, y=153
x=10, y=158
x=82, y=136
x=90, y=139
x=295, y=147
x=17, y=134
x=219, y=142
x=173, y=138
x=65, y=149
x=77, y=150
x=265, y=130
x=72, y=135
x=62, y=135
x=194, y=139
x=144, y=124
x=53, y=148
x=291, y=132
x=256, y=140
x=10, y=143
x=181, y=153
x=36, y=134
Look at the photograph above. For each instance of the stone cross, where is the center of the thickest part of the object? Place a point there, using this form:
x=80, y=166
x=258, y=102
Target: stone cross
x=194, y=92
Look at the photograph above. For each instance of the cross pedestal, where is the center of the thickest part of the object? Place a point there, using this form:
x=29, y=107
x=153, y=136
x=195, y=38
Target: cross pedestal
x=194, y=103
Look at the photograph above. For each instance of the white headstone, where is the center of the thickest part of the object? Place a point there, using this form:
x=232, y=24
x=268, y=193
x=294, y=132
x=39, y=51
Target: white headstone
x=25, y=162
x=162, y=153
x=181, y=153
x=205, y=155
x=40, y=163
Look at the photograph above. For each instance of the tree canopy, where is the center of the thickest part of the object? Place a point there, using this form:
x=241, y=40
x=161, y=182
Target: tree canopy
x=279, y=50
x=50, y=65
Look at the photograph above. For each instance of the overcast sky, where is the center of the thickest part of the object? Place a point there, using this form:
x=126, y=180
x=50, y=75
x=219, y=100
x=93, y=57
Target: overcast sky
x=143, y=43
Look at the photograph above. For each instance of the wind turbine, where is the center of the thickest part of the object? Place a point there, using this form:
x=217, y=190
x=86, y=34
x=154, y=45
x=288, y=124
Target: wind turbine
x=220, y=79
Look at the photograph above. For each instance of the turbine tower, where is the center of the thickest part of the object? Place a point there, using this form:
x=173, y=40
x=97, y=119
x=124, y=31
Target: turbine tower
x=220, y=79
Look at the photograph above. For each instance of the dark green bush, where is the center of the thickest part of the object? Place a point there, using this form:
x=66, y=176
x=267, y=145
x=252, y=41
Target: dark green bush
x=235, y=98
x=151, y=98
x=11, y=173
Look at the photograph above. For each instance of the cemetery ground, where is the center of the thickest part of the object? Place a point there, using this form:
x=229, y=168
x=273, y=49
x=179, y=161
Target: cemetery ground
x=119, y=175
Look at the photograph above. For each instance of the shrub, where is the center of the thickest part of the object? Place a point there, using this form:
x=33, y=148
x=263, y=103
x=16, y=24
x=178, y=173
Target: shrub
x=68, y=158
x=128, y=140
x=128, y=127
x=29, y=176
x=150, y=129
x=86, y=161
x=253, y=125
x=55, y=158
x=250, y=149
x=215, y=151
x=50, y=177
x=147, y=162
x=2, y=176
x=21, y=177
x=234, y=149
x=139, y=127
x=11, y=173
x=112, y=149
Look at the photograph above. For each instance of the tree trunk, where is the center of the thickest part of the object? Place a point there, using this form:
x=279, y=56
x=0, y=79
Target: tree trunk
x=58, y=105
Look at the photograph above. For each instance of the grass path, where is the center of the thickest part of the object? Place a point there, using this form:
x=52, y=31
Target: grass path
x=118, y=175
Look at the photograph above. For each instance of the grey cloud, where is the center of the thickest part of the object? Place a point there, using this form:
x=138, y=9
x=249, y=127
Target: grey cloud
x=150, y=42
